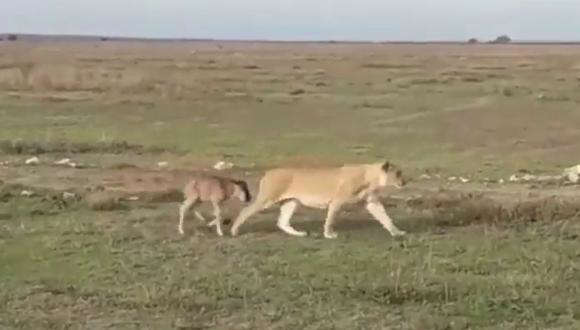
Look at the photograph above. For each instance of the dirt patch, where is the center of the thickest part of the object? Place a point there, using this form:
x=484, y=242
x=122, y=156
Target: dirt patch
x=461, y=209
x=34, y=200
x=165, y=196
x=104, y=201
x=460, y=205
x=36, y=148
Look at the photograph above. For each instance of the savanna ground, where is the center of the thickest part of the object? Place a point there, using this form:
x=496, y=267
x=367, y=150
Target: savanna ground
x=479, y=255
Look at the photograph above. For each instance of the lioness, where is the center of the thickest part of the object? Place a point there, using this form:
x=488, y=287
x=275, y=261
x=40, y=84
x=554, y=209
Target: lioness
x=327, y=188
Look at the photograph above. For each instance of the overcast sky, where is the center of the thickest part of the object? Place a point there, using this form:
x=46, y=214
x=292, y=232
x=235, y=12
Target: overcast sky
x=298, y=19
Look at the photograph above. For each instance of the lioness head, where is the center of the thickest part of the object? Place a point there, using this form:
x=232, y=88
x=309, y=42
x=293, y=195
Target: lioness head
x=392, y=176
x=241, y=191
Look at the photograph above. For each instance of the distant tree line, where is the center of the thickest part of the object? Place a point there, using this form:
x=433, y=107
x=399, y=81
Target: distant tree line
x=9, y=37
x=503, y=39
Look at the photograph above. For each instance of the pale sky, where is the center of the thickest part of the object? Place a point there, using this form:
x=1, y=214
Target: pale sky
x=298, y=19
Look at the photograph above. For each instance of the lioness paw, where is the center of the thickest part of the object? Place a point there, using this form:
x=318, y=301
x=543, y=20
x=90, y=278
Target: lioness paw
x=330, y=234
x=398, y=233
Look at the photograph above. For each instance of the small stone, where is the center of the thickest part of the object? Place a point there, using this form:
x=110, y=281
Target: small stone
x=32, y=161
x=26, y=193
x=222, y=165
x=68, y=195
x=64, y=161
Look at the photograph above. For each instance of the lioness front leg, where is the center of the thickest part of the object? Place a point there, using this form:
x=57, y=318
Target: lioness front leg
x=378, y=212
x=247, y=212
x=329, y=232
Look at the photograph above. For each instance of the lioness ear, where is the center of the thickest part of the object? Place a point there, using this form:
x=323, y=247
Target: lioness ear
x=386, y=166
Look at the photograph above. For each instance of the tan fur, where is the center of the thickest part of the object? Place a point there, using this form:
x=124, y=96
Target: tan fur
x=212, y=189
x=324, y=188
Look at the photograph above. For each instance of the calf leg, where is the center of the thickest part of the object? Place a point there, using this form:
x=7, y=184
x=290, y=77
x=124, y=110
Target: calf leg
x=199, y=216
x=185, y=206
x=218, y=218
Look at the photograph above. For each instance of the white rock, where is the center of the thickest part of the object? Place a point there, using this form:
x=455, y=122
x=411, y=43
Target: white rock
x=501, y=181
x=26, y=193
x=133, y=198
x=73, y=165
x=464, y=180
x=221, y=165
x=549, y=177
x=572, y=173
x=68, y=195
x=529, y=177
x=163, y=164
x=64, y=161
x=452, y=178
x=425, y=176
x=32, y=161
x=514, y=178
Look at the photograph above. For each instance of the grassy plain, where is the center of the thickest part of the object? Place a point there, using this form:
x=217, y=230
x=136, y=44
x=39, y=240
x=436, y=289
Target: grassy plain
x=479, y=255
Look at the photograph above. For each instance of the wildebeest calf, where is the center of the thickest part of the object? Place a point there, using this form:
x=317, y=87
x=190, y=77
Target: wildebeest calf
x=214, y=189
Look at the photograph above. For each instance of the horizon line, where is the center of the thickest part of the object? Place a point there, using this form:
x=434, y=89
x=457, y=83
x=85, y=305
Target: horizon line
x=268, y=40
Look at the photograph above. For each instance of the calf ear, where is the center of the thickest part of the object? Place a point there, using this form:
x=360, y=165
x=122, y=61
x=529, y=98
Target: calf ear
x=386, y=166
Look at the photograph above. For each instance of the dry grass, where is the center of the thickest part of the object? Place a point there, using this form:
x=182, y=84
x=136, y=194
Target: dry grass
x=477, y=257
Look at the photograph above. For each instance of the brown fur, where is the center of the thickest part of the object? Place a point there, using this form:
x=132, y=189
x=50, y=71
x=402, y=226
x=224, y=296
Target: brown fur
x=213, y=189
x=324, y=188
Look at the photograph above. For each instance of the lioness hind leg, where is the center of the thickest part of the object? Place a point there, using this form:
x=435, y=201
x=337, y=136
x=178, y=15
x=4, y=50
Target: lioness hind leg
x=286, y=211
x=378, y=211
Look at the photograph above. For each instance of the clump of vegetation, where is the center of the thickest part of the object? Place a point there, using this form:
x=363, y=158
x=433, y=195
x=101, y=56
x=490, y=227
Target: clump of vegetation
x=104, y=201
x=503, y=39
x=122, y=166
x=389, y=66
x=472, y=41
x=506, y=91
x=472, y=79
x=424, y=81
x=297, y=91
